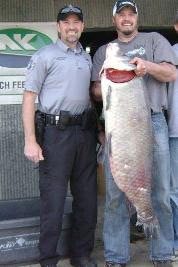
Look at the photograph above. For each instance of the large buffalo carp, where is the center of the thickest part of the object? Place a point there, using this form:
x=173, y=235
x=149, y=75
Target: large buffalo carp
x=129, y=134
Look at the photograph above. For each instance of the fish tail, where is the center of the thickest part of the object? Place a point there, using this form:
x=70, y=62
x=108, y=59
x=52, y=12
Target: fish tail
x=151, y=228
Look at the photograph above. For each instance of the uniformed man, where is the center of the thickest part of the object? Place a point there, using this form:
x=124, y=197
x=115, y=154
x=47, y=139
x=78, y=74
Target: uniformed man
x=60, y=75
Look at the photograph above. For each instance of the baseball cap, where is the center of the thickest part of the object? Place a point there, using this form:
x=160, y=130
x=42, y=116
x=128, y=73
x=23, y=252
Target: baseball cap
x=68, y=10
x=123, y=3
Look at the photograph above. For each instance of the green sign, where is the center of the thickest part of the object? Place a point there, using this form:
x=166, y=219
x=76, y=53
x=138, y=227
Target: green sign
x=20, y=41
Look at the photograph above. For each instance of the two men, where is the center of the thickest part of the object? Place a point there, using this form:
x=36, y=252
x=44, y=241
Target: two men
x=173, y=142
x=155, y=61
x=60, y=75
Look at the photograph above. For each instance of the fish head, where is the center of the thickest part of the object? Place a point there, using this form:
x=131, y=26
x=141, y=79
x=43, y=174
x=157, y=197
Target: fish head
x=113, y=49
x=117, y=66
x=115, y=59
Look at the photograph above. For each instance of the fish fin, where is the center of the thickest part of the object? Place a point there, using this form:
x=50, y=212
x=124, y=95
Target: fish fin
x=109, y=144
x=108, y=98
x=151, y=228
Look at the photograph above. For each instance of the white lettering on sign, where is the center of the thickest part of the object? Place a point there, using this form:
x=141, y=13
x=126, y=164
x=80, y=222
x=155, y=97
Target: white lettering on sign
x=6, y=41
x=23, y=43
x=19, y=241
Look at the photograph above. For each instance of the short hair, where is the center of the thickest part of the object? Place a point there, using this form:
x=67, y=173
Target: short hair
x=176, y=18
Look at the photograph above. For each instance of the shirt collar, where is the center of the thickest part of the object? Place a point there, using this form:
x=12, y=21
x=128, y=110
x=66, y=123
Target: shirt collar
x=65, y=48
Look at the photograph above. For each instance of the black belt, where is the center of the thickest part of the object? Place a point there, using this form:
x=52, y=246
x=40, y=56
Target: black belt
x=67, y=120
x=87, y=119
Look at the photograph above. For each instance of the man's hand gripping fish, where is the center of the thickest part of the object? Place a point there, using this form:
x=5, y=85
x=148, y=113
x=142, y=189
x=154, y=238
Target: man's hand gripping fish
x=129, y=134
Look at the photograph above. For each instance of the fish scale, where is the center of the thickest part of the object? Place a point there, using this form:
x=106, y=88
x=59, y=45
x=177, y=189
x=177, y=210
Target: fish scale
x=129, y=138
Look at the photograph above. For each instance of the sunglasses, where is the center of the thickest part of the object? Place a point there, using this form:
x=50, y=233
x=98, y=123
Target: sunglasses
x=76, y=10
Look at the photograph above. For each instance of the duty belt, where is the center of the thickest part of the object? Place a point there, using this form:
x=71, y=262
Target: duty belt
x=63, y=118
x=87, y=119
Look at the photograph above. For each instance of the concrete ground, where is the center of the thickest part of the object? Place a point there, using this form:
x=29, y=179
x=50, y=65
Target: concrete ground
x=139, y=246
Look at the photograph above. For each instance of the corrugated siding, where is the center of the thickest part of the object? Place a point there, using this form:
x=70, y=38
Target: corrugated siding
x=98, y=13
x=26, y=10
x=157, y=12
x=18, y=176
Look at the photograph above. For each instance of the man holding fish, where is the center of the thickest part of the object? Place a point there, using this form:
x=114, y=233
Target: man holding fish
x=173, y=143
x=155, y=62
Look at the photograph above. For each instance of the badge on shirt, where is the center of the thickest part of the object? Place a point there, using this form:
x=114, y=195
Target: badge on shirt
x=60, y=58
x=31, y=65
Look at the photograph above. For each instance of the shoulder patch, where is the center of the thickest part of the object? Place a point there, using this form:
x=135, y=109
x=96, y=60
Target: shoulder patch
x=31, y=65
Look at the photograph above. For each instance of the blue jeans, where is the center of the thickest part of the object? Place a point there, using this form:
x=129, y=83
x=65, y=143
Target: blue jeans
x=173, y=143
x=116, y=230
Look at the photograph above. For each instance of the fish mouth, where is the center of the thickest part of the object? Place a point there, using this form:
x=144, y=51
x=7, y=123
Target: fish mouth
x=119, y=76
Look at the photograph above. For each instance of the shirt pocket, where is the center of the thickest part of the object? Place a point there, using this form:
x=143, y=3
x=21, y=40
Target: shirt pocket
x=58, y=63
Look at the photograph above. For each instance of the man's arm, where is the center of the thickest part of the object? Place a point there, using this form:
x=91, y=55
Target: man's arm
x=97, y=96
x=96, y=91
x=31, y=150
x=98, y=61
x=163, y=72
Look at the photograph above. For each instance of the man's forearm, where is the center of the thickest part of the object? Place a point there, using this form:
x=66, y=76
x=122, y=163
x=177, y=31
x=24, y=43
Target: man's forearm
x=28, y=113
x=163, y=72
